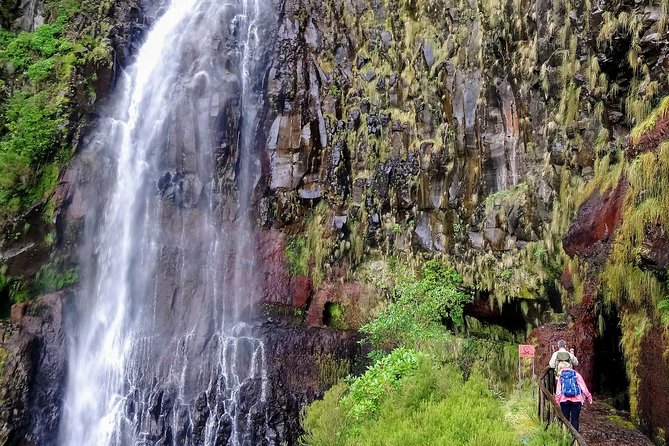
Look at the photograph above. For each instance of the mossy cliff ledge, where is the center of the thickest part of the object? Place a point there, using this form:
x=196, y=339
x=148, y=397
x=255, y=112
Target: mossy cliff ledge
x=473, y=132
x=520, y=142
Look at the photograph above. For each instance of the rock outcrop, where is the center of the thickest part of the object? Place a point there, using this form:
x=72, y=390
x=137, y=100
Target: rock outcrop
x=33, y=371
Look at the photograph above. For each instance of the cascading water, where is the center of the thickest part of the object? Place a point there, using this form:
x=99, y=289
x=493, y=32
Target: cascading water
x=163, y=350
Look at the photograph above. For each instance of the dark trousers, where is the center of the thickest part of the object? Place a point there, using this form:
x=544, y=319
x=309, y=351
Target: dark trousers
x=571, y=411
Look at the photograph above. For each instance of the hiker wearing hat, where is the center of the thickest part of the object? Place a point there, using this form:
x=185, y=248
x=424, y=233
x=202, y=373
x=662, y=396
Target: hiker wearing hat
x=564, y=355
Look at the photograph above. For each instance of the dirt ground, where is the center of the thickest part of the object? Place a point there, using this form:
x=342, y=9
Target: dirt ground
x=602, y=425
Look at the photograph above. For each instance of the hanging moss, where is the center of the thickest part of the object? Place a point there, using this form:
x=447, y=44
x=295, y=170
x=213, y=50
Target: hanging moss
x=649, y=123
x=638, y=292
x=331, y=370
x=646, y=203
x=634, y=325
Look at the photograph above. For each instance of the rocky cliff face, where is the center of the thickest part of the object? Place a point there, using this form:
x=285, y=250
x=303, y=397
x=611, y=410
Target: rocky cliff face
x=494, y=135
x=33, y=370
x=474, y=131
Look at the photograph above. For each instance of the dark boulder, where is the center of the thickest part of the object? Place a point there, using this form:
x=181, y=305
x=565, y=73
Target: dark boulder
x=33, y=375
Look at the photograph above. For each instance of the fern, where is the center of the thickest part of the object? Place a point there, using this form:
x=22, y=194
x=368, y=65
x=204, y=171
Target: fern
x=663, y=306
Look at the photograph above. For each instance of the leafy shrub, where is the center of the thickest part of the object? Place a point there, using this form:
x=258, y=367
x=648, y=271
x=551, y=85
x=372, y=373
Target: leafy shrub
x=324, y=420
x=40, y=70
x=366, y=391
x=422, y=305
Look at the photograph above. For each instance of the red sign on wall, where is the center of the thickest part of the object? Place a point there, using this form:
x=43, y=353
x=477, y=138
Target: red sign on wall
x=526, y=351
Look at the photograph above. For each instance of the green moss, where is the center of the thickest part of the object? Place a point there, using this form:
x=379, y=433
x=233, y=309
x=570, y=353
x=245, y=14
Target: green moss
x=646, y=204
x=634, y=328
x=297, y=256
x=608, y=173
x=334, y=317
x=37, y=70
x=4, y=355
x=514, y=194
x=649, y=123
x=639, y=292
x=331, y=370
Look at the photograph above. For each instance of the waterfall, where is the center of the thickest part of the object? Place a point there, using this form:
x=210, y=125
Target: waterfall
x=162, y=348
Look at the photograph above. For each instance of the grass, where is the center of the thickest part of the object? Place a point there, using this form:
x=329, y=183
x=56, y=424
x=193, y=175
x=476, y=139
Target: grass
x=649, y=123
x=428, y=403
x=520, y=412
x=505, y=197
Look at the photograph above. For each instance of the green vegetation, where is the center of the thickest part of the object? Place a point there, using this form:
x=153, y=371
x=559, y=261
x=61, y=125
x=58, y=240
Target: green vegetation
x=366, y=392
x=412, y=400
x=331, y=370
x=430, y=389
x=333, y=316
x=4, y=355
x=296, y=255
x=308, y=253
x=641, y=293
x=422, y=304
x=512, y=195
x=663, y=306
x=49, y=278
x=649, y=123
x=36, y=100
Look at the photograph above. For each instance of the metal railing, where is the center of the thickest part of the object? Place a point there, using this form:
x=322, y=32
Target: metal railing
x=549, y=411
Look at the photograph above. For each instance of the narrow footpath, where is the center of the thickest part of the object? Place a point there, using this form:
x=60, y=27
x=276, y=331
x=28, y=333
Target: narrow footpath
x=602, y=425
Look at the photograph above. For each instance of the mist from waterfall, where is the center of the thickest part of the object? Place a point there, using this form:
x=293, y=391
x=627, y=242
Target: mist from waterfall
x=162, y=349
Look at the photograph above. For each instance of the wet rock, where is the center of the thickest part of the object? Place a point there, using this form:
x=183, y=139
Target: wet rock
x=310, y=191
x=374, y=126
x=596, y=221
x=284, y=143
x=651, y=139
x=275, y=274
x=295, y=358
x=300, y=291
x=654, y=252
x=184, y=191
x=386, y=39
x=428, y=54
x=33, y=376
x=29, y=13
x=354, y=119
x=476, y=239
x=495, y=237
x=369, y=76
x=653, y=398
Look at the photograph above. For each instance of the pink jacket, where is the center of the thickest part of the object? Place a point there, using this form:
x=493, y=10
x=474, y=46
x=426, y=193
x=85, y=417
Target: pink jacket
x=585, y=393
